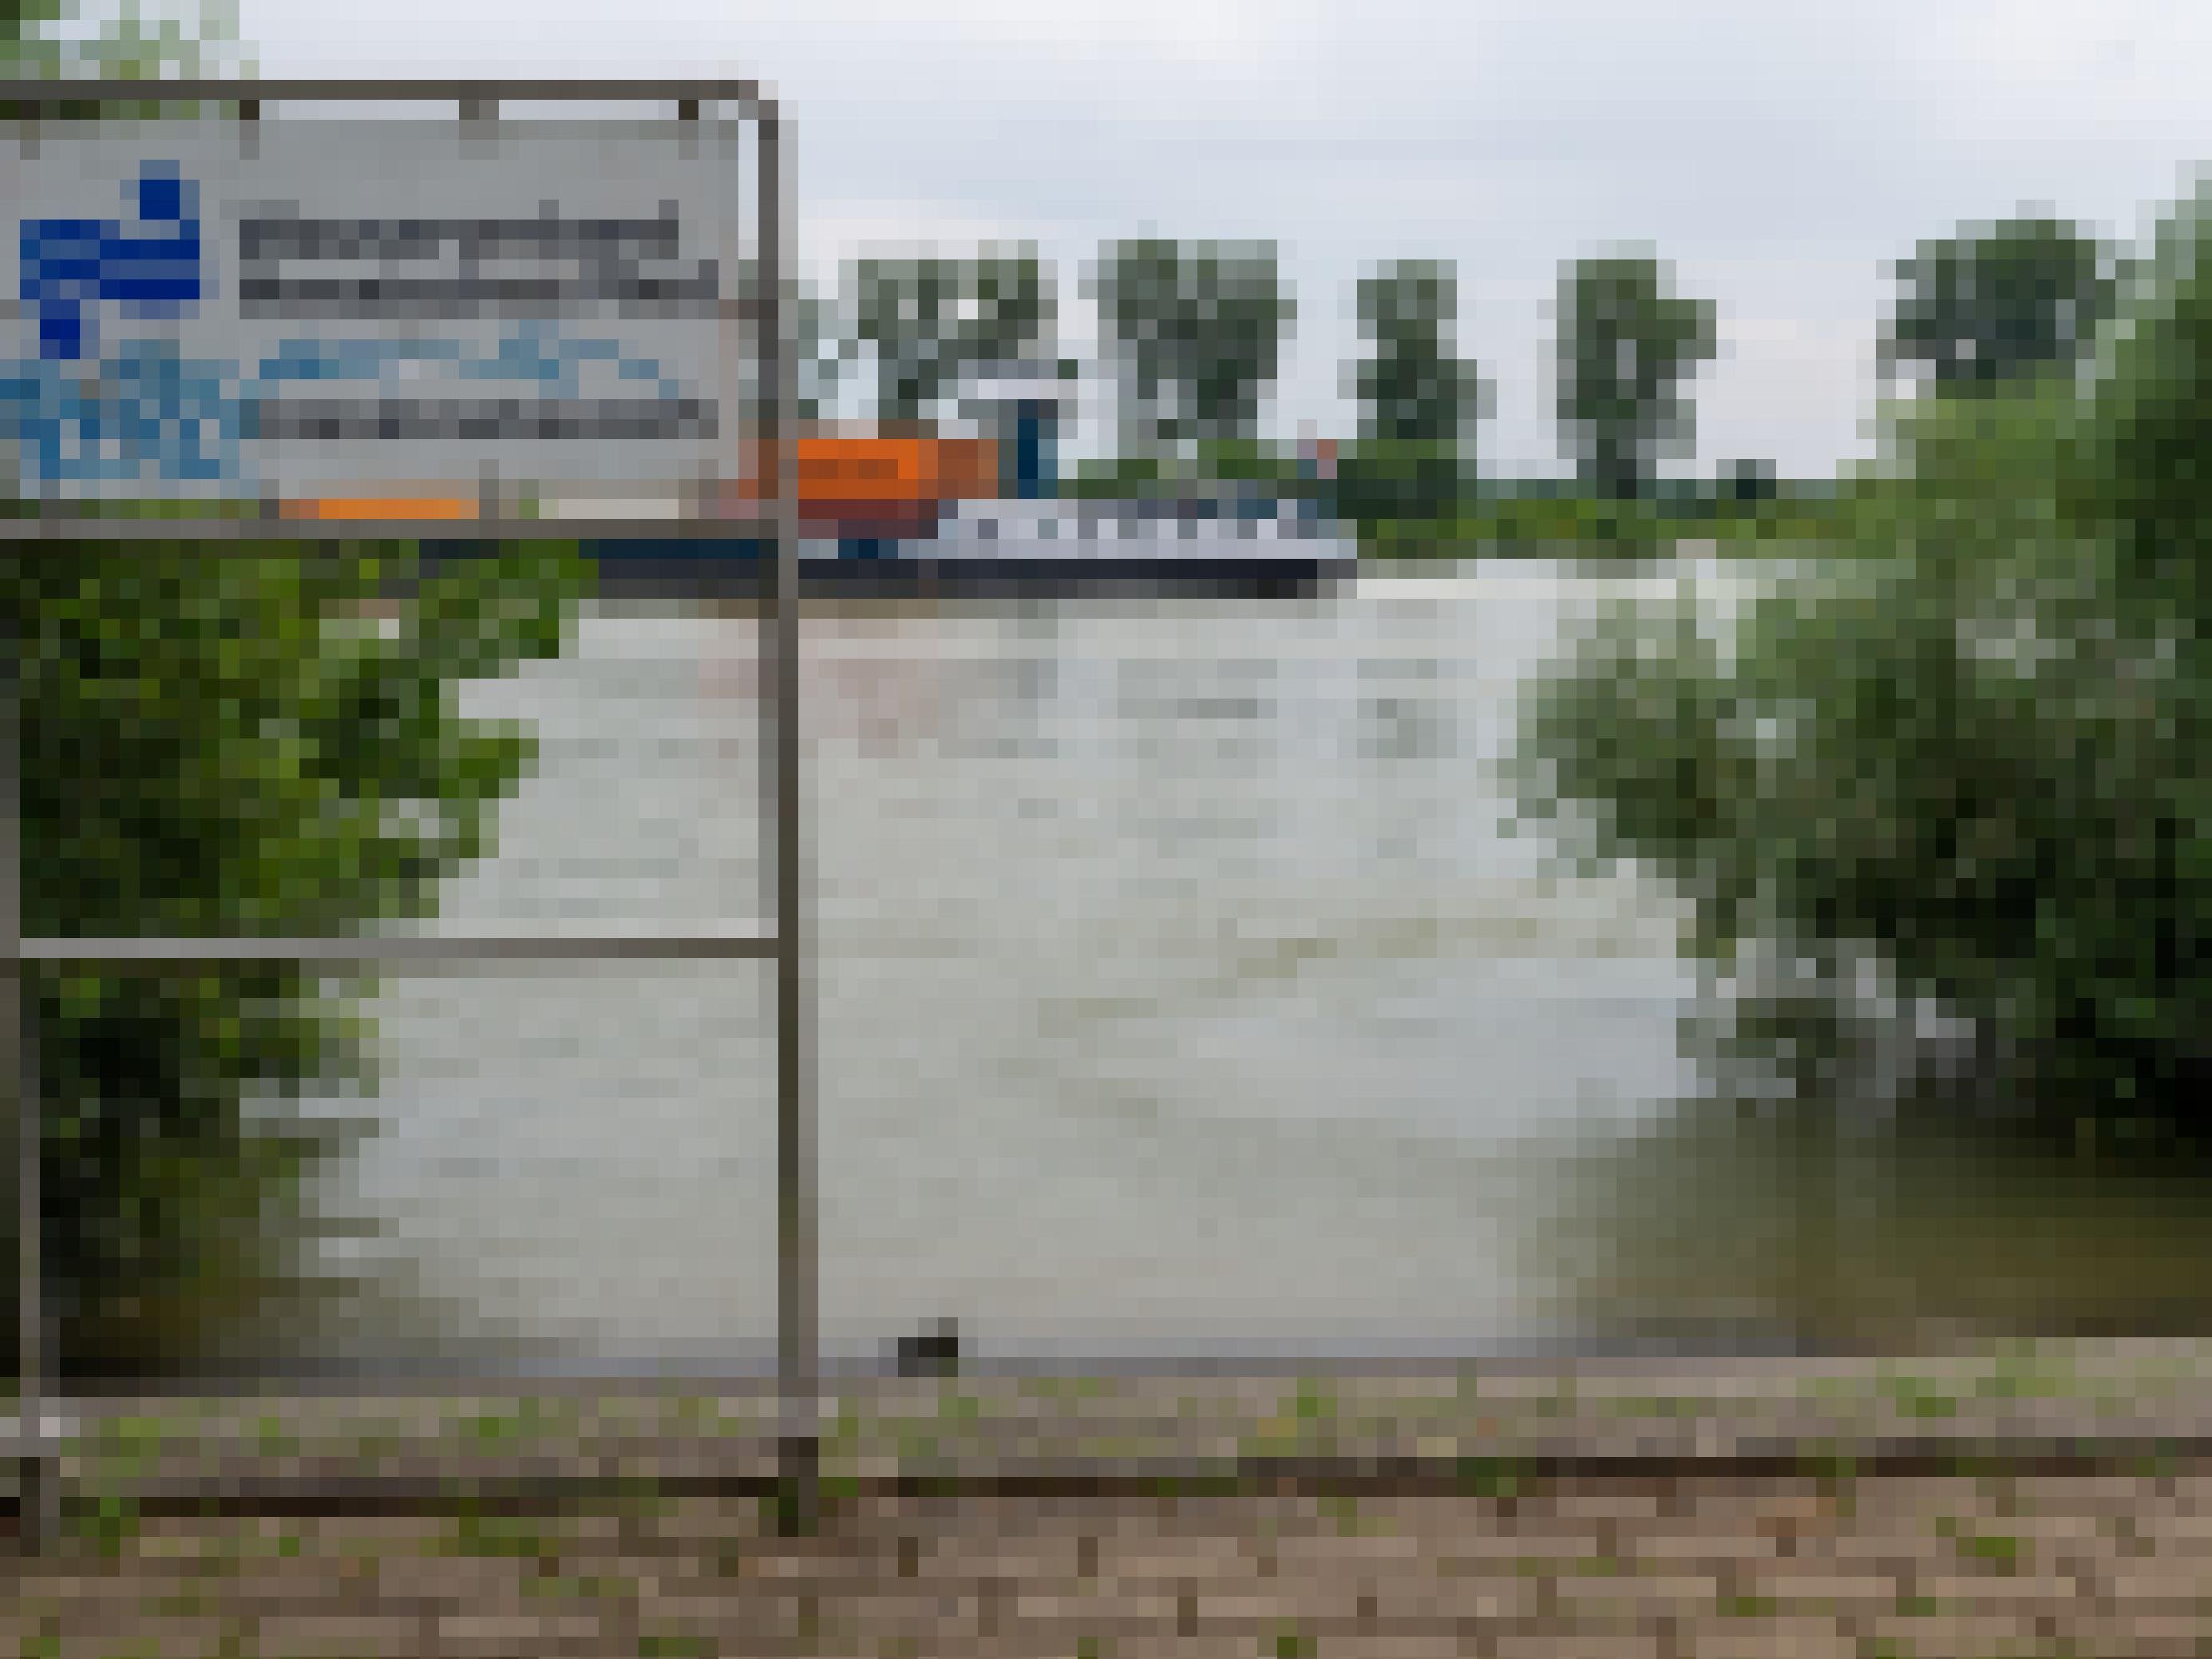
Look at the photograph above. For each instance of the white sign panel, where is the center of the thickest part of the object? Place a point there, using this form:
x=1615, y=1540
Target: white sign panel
x=373, y=308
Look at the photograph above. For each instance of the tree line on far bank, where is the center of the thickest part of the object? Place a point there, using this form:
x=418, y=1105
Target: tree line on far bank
x=1193, y=331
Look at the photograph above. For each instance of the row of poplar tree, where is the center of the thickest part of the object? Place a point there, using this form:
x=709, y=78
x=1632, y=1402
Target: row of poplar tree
x=1193, y=332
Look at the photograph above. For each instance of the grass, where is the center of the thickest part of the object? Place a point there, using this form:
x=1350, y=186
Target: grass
x=502, y=1537
x=1314, y=1403
x=1657, y=1405
x=1540, y=529
x=1748, y=1606
x=956, y=1407
x=532, y=1418
x=1996, y=1548
x=948, y=1421
x=1492, y=1477
x=1916, y=1397
x=106, y=1523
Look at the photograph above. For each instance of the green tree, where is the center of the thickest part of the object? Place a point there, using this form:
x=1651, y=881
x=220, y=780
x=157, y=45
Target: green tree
x=1985, y=307
x=824, y=352
x=1195, y=331
x=2137, y=474
x=1415, y=388
x=931, y=320
x=213, y=742
x=1745, y=481
x=129, y=44
x=1966, y=765
x=823, y=339
x=1626, y=342
x=1419, y=400
x=36, y=44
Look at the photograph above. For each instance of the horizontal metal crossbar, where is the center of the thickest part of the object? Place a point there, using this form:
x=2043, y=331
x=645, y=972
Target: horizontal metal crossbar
x=81, y=526
x=406, y=948
x=746, y=93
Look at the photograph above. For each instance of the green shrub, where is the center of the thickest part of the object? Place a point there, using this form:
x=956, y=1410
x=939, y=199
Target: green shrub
x=222, y=741
x=1967, y=767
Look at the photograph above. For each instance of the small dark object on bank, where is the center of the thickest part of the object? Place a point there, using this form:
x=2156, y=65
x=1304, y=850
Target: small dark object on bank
x=934, y=1350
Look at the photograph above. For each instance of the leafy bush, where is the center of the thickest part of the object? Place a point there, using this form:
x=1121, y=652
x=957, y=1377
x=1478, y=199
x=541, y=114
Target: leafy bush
x=1967, y=770
x=223, y=740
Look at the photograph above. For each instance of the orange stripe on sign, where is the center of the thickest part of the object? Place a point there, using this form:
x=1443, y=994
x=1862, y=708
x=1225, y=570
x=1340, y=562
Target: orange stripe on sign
x=386, y=507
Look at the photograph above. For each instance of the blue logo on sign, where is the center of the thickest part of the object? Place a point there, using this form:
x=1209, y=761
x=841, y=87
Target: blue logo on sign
x=72, y=265
x=90, y=415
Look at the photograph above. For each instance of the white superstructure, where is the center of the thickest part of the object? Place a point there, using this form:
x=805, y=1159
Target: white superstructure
x=1121, y=530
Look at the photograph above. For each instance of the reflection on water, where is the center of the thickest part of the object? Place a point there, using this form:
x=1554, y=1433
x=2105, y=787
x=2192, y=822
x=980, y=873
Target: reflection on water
x=1180, y=989
x=1725, y=1216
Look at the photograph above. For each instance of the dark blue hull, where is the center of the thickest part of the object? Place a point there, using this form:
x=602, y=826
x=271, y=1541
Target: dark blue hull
x=873, y=568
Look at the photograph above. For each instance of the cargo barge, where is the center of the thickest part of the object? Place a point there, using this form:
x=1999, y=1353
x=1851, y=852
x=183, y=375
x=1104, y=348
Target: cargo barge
x=986, y=547
x=893, y=514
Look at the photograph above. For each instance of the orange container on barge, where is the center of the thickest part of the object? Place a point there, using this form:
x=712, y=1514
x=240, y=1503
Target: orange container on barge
x=884, y=486
x=893, y=487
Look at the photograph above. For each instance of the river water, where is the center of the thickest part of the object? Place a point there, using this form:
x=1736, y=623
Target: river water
x=1182, y=991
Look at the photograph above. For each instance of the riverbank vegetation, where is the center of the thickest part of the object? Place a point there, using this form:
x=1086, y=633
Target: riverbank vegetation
x=217, y=742
x=1963, y=775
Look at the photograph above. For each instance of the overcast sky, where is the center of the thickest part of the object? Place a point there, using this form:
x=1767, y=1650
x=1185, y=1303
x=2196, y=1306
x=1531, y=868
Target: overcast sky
x=1776, y=154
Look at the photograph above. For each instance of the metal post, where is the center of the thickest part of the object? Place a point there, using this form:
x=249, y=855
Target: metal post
x=38, y=1505
x=38, y=1500
x=797, y=1283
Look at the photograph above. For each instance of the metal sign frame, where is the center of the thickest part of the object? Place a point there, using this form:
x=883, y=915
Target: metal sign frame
x=773, y=520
